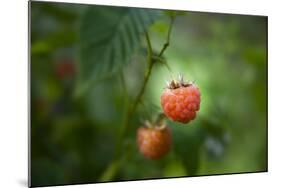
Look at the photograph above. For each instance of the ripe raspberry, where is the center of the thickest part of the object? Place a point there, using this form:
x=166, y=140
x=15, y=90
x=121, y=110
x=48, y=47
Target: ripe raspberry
x=180, y=101
x=154, y=142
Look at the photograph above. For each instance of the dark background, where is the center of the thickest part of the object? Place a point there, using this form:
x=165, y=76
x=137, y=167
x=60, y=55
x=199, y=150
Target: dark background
x=73, y=138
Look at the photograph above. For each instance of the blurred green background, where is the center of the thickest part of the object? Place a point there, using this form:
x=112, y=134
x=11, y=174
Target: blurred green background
x=73, y=137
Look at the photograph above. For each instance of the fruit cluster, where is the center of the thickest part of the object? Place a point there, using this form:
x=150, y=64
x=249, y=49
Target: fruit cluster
x=180, y=101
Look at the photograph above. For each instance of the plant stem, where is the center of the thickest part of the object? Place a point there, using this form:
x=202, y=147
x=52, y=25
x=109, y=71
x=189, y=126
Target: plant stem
x=148, y=73
x=165, y=46
x=114, y=166
x=138, y=99
x=132, y=110
x=112, y=169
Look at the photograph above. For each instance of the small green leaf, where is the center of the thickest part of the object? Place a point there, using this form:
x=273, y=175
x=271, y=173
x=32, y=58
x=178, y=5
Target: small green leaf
x=160, y=27
x=174, y=13
x=108, y=38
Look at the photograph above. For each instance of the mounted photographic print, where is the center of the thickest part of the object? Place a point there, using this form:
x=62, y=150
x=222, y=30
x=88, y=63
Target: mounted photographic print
x=126, y=93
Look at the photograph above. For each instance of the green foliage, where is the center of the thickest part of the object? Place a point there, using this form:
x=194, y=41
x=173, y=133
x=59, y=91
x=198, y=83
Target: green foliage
x=108, y=39
x=74, y=139
x=62, y=13
x=187, y=146
x=160, y=27
x=54, y=41
x=52, y=172
x=174, y=13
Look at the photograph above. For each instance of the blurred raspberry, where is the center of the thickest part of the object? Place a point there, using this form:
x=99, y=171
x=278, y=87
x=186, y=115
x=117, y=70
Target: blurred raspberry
x=65, y=68
x=154, y=142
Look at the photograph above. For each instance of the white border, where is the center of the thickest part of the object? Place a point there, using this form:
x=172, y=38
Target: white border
x=14, y=82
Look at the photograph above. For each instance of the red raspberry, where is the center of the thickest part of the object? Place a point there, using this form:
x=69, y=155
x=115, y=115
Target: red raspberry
x=180, y=101
x=65, y=68
x=154, y=142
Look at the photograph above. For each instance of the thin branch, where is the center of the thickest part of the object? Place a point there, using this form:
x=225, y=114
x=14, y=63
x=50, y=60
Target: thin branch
x=112, y=169
x=132, y=110
x=150, y=65
x=165, y=46
x=149, y=46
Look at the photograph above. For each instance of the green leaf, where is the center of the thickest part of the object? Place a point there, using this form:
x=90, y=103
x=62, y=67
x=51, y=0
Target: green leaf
x=108, y=38
x=174, y=13
x=160, y=27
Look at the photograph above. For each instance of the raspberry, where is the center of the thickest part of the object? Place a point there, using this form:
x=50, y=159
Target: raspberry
x=180, y=101
x=65, y=68
x=154, y=142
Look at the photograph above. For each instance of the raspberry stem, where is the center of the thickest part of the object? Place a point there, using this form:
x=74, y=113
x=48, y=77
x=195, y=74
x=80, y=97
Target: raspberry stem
x=160, y=118
x=132, y=110
x=150, y=61
x=113, y=168
x=165, y=46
